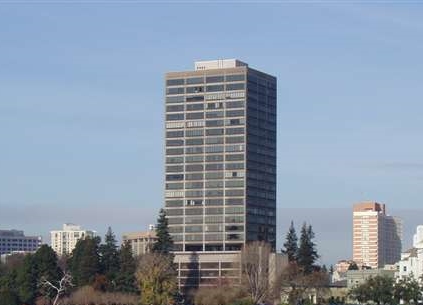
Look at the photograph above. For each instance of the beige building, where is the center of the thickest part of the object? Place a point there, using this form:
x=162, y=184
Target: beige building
x=141, y=242
x=64, y=241
x=376, y=235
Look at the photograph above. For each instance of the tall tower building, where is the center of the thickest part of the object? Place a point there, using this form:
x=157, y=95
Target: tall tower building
x=220, y=157
x=376, y=235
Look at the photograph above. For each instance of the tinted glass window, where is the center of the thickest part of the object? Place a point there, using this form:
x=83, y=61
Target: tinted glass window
x=239, y=86
x=175, y=82
x=214, y=79
x=195, y=80
x=235, y=77
x=214, y=88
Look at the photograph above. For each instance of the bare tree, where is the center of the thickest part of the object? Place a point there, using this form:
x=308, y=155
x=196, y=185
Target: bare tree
x=60, y=287
x=256, y=270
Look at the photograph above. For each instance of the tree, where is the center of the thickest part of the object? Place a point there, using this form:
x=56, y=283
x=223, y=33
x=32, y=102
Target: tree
x=8, y=297
x=84, y=263
x=291, y=244
x=407, y=289
x=378, y=289
x=307, y=253
x=256, y=269
x=164, y=243
x=157, y=279
x=109, y=257
x=59, y=287
x=125, y=278
x=353, y=266
x=45, y=260
x=26, y=280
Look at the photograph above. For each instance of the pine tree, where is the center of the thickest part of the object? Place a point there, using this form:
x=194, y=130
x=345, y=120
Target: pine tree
x=109, y=257
x=125, y=278
x=45, y=260
x=307, y=254
x=291, y=244
x=26, y=280
x=84, y=262
x=164, y=241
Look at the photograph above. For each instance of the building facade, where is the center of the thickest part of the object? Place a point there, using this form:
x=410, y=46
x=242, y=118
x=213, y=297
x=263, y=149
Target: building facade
x=220, y=152
x=376, y=235
x=12, y=241
x=141, y=242
x=411, y=263
x=64, y=241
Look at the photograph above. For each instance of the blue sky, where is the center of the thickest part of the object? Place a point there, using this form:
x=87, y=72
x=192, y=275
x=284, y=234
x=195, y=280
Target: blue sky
x=81, y=107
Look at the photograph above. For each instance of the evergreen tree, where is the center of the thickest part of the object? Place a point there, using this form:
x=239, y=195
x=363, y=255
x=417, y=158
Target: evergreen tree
x=291, y=244
x=84, y=263
x=164, y=241
x=26, y=280
x=109, y=257
x=353, y=266
x=45, y=260
x=307, y=254
x=125, y=278
x=8, y=297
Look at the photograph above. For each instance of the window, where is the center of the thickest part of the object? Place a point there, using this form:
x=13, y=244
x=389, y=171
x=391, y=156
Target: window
x=214, y=114
x=195, y=80
x=170, y=125
x=238, y=86
x=230, y=140
x=235, y=104
x=194, y=185
x=175, y=117
x=196, y=89
x=232, y=113
x=194, y=133
x=195, y=98
x=214, y=132
x=193, y=150
x=214, y=158
x=175, y=134
x=215, y=123
x=194, y=176
x=198, y=141
x=193, y=159
x=214, y=140
x=191, y=124
x=177, y=90
x=235, y=77
x=195, y=115
x=215, y=88
x=214, y=166
x=193, y=107
x=175, y=177
x=235, y=130
x=214, y=79
x=175, y=82
x=218, y=105
x=174, y=142
x=194, y=168
x=214, y=175
x=174, y=151
x=175, y=108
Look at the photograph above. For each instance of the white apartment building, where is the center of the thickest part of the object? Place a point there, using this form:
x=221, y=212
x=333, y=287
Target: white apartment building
x=411, y=263
x=64, y=241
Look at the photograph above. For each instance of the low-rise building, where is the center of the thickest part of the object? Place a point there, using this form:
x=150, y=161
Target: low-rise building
x=15, y=241
x=141, y=242
x=411, y=263
x=357, y=277
x=64, y=241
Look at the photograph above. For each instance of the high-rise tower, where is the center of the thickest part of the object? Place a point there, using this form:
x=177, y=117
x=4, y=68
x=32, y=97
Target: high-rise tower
x=220, y=157
x=376, y=235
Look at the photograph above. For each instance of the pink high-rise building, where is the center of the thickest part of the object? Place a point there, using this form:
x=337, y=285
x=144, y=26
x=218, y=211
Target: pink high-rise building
x=376, y=235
